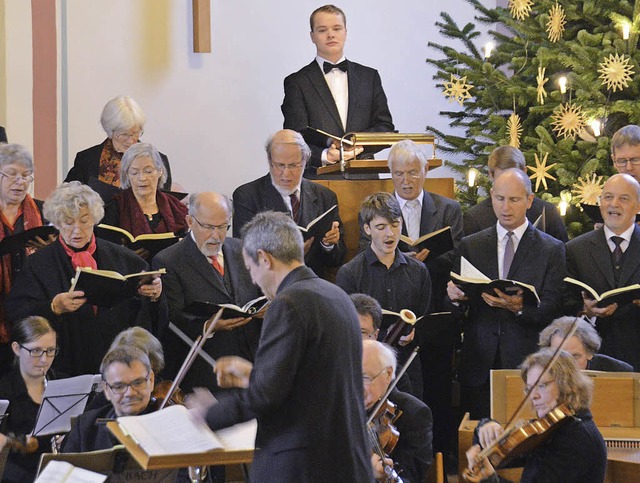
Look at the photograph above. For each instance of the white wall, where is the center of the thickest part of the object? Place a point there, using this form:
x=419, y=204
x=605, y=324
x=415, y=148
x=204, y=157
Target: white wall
x=211, y=113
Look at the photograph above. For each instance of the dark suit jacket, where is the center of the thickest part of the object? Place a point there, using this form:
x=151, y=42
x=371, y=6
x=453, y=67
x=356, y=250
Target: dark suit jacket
x=538, y=261
x=589, y=260
x=190, y=277
x=260, y=195
x=437, y=212
x=87, y=162
x=414, y=452
x=305, y=388
x=482, y=216
x=601, y=362
x=86, y=435
x=309, y=102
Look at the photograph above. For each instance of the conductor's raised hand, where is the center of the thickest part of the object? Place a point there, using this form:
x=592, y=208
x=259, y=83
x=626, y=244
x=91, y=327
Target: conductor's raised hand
x=233, y=371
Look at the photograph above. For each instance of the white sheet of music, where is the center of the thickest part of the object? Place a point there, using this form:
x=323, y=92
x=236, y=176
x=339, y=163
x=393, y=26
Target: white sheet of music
x=64, y=472
x=467, y=270
x=240, y=436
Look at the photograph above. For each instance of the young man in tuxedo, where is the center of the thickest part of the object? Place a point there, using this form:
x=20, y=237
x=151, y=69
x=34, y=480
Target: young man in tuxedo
x=334, y=94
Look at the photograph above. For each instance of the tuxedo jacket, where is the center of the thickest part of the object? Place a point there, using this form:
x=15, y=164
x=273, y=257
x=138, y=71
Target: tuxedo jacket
x=305, y=388
x=488, y=331
x=87, y=163
x=260, y=195
x=437, y=212
x=589, y=260
x=482, y=216
x=308, y=102
x=190, y=277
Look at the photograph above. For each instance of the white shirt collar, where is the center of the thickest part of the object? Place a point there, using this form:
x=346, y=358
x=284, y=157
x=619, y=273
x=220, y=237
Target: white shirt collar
x=625, y=234
x=321, y=61
x=403, y=202
x=518, y=232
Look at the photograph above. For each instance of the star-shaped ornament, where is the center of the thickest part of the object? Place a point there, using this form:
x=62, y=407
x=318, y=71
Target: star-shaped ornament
x=616, y=71
x=587, y=190
x=542, y=80
x=520, y=9
x=568, y=121
x=541, y=171
x=457, y=89
x=515, y=130
x=555, y=25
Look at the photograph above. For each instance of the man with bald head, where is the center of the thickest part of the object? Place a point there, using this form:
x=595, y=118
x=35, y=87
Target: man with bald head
x=207, y=266
x=499, y=329
x=606, y=259
x=284, y=189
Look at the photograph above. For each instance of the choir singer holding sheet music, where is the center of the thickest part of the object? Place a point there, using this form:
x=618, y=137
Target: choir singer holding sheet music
x=34, y=347
x=607, y=259
x=284, y=189
x=305, y=387
x=499, y=330
x=42, y=288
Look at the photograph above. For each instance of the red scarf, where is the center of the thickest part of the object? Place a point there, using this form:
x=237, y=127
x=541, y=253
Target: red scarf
x=83, y=258
x=132, y=219
x=30, y=219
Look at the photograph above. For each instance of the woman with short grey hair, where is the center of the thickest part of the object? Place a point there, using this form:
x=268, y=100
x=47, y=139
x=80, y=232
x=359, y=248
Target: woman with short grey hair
x=123, y=121
x=43, y=288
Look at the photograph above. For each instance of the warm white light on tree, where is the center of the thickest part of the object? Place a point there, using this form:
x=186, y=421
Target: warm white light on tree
x=471, y=177
x=562, y=82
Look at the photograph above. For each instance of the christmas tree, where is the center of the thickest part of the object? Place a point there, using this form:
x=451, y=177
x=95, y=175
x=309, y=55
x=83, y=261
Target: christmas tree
x=511, y=93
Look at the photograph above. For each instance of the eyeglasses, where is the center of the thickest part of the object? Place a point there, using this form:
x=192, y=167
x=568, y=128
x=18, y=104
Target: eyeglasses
x=623, y=162
x=408, y=174
x=279, y=167
x=145, y=172
x=224, y=227
x=121, y=387
x=542, y=386
x=51, y=351
x=125, y=135
x=14, y=177
x=366, y=380
x=368, y=335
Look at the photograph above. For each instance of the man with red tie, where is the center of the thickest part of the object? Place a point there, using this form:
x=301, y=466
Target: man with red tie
x=283, y=189
x=207, y=266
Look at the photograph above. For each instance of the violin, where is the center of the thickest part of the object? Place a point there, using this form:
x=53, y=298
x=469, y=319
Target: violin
x=23, y=443
x=160, y=393
x=520, y=439
x=383, y=436
x=401, y=327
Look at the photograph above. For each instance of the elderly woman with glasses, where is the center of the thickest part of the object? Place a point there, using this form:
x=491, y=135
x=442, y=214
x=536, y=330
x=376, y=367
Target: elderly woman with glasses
x=18, y=212
x=99, y=166
x=141, y=207
x=575, y=451
x=85, y=330
x=34, y=347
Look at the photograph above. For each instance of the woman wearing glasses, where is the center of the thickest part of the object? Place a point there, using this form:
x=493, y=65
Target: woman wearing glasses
x=575, y=452
x=141, y=207
x=85, y=331
x=34, y=347
x=19, y=212
x=99, y=166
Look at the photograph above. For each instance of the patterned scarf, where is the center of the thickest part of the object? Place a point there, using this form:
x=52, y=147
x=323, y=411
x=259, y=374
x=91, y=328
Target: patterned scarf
x=109, y=167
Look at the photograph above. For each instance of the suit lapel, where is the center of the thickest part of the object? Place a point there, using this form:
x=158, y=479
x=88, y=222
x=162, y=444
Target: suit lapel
x=309, y=202
x=490, y=255
x=600, y=253
x=354, y=95
x=316, y=77
x=523, y=252
x=428, y=216
x=631, y=258
x=200, y=264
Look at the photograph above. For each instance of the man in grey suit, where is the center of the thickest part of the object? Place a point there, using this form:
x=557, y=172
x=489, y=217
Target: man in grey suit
x=499, y=329
x=207, y=266
x=305, y=388
x=283, y=189
x=609, y=258
x=332, y=93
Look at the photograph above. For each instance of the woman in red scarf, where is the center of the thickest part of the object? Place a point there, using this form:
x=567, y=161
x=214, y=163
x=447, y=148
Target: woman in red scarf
x=141, y=207
x=19, y=212
x=84, y=331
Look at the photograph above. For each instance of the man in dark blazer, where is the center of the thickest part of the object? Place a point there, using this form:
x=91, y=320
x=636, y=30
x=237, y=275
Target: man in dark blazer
x=414, y=452
x=499, y=329
x=288, y=154
x=409, y=165
x=482, y=216
x=305, y=388
x=332, y=93
x=191, y=276
x=593, y=258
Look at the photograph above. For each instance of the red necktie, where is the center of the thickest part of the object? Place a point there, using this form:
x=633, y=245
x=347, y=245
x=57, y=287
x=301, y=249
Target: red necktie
x=295, y=206
x=216, y=265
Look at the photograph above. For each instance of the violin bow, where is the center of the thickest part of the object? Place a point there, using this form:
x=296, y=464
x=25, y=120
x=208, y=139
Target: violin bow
x=393, y=384
x=550, y=364
x=191, y=356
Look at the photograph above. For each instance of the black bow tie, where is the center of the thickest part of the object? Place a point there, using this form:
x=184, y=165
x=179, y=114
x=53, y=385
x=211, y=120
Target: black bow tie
x=328, y=66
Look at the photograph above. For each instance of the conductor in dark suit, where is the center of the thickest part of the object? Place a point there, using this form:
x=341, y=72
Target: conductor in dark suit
x=207, y=266
x=305, y=388
x=499, y=329
x=482, y=216
x=609, y=258
x=284, y=189
x=334, y=94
